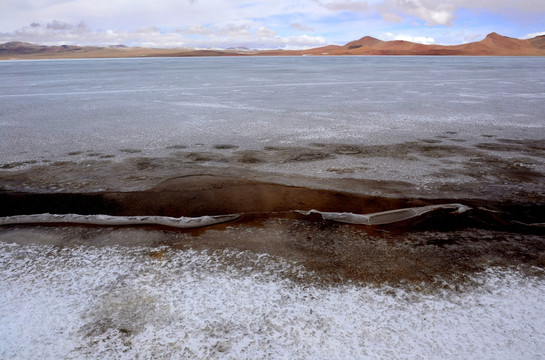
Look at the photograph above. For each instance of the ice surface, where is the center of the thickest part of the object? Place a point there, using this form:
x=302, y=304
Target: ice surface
x=53, y=108
x=414, y=119
x=61, y=111
x=181, y=222
x=385, y=217
x=119, y=302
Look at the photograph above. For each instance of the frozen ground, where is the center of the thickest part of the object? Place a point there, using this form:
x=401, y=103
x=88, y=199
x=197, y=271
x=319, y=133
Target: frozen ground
x=386, y=126
x=133, y=302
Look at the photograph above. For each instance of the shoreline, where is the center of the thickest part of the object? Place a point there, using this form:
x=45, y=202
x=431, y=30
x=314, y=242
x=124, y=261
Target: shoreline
x=493, y=45
x=437, y=245
x=445, y=167
x=500, y=180
x=211, y=194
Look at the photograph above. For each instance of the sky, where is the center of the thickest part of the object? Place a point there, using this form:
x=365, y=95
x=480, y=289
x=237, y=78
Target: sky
x=264, y=24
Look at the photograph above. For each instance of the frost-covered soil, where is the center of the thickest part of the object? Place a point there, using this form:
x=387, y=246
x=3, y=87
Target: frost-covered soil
x=156, y=302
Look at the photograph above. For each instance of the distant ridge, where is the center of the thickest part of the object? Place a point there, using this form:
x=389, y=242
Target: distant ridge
x=538, y=42
x=18, y=47
x=492, y=45
x=24, y=50
x=366, y=41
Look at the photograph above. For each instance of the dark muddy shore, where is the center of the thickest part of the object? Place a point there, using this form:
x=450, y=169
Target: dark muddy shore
x=505, y=232
x=500, y=180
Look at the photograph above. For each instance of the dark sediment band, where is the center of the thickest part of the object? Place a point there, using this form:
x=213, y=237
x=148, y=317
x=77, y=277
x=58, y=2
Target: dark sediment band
x=504, y=169
x=205, y=195
x=442, y=243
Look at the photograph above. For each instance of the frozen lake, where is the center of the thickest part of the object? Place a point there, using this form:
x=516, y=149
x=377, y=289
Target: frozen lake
x=199, y=136
x=51, y=108
x=420, y=119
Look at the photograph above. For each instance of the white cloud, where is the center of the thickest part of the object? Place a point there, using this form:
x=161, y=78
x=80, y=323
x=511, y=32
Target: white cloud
x=248, y=34
x=265, y=32
x=417, y=39
x=57, y=33
x=236, y=30
x=126, y=14
x=196, y=30
x=344, y=5
x=432, y=12
x=533, y=35
x=59, y=25
x=260, y=22
x=435, y=12
x=392, y=17
x=303, y=41
x=504, y=5
x=301, y=27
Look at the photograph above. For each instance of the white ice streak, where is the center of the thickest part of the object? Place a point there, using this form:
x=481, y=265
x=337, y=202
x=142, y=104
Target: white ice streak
x=108, y=220
x=384, y=217
x=379, y=218
x=234, y=88
x=95, y=303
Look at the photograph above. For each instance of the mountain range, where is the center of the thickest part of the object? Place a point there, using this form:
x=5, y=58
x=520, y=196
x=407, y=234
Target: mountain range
x=492, y=45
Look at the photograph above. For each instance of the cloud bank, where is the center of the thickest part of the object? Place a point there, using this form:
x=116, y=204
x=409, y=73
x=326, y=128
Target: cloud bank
x=229, y=35
x=261, y=23
x=407, y=37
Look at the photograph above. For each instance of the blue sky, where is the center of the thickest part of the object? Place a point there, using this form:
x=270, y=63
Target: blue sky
x=288, y=24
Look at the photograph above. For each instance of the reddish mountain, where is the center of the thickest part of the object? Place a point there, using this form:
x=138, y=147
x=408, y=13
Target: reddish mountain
x=538, y=42
x=493, y=44
x=365, y=42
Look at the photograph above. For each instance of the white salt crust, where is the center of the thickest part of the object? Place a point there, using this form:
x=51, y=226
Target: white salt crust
x=122, y=303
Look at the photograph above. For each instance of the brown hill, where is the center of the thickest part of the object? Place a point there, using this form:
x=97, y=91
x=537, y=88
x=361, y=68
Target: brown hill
x=493, y=45
x=18, y=47
x=373, y=46
x=538, y=42
x=22, y=50
x=368, y=42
